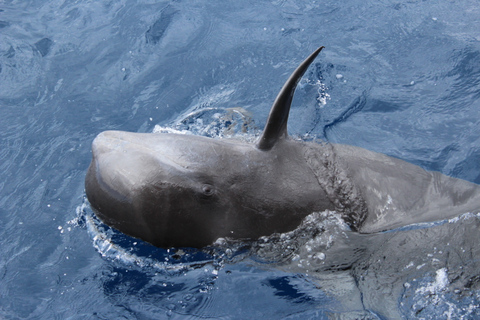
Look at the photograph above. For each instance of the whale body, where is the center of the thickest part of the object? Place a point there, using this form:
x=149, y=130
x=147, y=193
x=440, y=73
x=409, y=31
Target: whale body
x=175, y=190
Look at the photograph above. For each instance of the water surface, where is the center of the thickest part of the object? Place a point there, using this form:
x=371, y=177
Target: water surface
x=401, y=78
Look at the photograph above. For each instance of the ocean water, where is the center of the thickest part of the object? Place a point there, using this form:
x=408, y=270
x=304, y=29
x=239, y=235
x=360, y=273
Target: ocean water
x=396, y=77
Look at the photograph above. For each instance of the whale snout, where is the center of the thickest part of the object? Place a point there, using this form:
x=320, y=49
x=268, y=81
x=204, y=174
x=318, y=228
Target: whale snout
x=108, y=184
x=130, y=180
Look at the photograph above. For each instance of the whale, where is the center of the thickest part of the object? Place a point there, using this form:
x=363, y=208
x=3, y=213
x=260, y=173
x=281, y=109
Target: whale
x=177, y=190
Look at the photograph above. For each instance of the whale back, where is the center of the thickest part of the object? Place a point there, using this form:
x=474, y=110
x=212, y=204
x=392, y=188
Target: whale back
x=398, y=193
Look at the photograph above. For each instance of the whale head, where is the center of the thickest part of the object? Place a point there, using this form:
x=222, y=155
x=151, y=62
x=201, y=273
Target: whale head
x=187, y=191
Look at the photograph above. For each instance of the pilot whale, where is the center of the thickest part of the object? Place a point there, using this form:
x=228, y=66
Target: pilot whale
x=175, y=190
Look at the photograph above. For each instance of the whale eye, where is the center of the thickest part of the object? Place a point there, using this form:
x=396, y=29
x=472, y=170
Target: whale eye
x=208, y=189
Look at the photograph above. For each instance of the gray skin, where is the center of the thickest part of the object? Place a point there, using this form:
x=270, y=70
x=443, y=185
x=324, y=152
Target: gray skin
x=175, y=190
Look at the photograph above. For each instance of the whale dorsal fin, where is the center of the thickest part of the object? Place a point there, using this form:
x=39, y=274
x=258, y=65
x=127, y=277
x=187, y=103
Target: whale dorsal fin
x=276, y=126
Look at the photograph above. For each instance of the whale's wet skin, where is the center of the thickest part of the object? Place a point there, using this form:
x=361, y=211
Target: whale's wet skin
x=187, y=191
x=370, y=229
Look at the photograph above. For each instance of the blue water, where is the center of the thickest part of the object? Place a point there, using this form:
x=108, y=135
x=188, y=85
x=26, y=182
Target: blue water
x=401, y=78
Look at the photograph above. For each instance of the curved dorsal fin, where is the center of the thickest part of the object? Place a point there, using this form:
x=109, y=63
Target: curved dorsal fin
x=276, y=126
